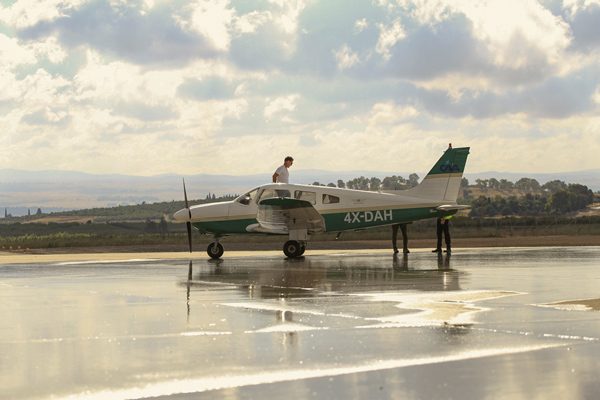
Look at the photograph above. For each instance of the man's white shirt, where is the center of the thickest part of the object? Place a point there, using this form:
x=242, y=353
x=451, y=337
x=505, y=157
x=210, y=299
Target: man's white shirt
x=283, y=173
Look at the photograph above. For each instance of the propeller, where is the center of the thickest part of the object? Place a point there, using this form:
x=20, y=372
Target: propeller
x=188, y=224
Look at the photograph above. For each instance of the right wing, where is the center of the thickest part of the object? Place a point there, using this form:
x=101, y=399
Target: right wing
x=281, y=214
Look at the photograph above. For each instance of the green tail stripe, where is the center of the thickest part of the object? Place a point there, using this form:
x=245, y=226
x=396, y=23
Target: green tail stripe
x=452, y=161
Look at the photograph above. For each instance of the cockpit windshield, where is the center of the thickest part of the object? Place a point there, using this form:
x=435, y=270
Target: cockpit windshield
x=247, y=198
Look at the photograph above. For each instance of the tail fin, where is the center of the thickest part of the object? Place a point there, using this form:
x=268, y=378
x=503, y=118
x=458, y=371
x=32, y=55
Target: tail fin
x=443, y=181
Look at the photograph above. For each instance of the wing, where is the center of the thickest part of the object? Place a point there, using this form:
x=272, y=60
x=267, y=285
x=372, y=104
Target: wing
x=281, y=215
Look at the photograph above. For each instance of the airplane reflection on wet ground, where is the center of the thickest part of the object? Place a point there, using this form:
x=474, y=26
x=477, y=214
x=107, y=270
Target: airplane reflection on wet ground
x=339, y=325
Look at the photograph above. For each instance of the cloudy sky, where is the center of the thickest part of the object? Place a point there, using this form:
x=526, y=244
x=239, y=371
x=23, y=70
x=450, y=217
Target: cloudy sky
x=226, y=86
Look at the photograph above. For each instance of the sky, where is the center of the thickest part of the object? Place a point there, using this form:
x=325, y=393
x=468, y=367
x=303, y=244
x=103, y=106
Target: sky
x=232, y=87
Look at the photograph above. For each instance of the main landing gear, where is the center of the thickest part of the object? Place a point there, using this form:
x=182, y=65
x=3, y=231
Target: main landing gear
x=215, y=250
x=294, y=248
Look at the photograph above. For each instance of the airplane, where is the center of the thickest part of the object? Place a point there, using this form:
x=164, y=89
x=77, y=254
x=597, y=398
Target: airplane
x=298, y=211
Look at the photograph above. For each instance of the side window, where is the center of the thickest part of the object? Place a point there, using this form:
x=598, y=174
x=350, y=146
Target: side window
x=306, y=196
x=329, y=199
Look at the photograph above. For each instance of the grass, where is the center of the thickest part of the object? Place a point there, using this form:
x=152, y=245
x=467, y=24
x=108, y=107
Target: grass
x=59, y=235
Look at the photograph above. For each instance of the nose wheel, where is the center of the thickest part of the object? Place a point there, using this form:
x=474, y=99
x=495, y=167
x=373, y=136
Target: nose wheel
x=215, y=250
x=294, y=248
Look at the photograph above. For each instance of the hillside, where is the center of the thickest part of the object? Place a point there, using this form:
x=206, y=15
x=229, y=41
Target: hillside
x=64, y=190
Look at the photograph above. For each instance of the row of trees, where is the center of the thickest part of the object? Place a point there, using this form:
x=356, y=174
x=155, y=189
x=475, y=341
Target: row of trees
x=394, y=182
x=572, y=197
x=553, y=197
x=528, y=185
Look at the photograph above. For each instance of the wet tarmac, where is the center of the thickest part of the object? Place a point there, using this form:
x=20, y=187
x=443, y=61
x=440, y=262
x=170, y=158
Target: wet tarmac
x=483, y=323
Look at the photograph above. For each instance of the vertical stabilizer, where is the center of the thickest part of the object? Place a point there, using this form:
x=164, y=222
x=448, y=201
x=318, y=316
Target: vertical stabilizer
x=443, y=181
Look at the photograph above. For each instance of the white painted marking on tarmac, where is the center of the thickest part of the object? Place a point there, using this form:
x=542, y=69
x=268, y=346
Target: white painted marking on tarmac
x=218, y=382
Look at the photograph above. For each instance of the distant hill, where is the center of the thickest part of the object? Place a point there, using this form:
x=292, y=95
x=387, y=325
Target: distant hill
x=63, y=190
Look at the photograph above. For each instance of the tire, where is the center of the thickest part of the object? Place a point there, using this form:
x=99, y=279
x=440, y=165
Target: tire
x=302, y=249
x=292, y=249
x=215, y=250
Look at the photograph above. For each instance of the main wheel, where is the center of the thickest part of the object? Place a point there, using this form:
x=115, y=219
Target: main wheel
x=215, y=250
x=292, y=249
x=302, y=248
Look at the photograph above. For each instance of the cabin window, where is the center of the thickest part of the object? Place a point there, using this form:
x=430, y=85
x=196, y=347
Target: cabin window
x=247, y=198
x=329, y=199
x=306, y=196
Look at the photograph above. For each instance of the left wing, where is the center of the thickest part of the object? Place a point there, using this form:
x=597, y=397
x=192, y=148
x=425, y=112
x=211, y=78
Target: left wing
x=280, y=215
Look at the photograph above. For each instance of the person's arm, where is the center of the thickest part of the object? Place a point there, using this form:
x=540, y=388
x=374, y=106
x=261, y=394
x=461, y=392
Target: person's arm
x=275, y=175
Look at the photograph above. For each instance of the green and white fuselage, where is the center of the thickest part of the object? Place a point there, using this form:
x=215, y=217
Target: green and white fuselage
x=301, y=210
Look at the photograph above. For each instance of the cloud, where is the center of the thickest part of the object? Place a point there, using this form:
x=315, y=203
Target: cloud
x=47, y=116
x=152, y=37
x=212, y=81
x=212, y=20
x=280, y=106
x=207, y=89
x=25, y=13
x=585, y=26
x=388, y=37
x=345, y=57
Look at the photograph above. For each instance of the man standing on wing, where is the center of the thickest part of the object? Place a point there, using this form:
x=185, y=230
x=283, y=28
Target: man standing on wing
x=281, y=174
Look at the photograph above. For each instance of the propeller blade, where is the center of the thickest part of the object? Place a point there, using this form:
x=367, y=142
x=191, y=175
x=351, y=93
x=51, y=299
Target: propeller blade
x=188, y=224
x=189, y=232
x=186, y=200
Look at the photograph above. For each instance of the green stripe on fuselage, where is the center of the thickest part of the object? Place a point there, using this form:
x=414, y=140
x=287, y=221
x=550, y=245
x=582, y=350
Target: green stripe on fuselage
x=334, y=222
x=224, y=226
x=351, y=220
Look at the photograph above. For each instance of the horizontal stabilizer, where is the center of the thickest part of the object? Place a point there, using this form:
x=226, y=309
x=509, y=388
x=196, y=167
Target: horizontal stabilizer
x=452, y=207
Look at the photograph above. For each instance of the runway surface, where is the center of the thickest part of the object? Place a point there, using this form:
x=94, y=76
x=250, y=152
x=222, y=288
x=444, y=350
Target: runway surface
x=483, y=323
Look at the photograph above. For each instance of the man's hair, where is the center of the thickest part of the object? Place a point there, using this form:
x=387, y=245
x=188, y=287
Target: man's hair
x=288, y=158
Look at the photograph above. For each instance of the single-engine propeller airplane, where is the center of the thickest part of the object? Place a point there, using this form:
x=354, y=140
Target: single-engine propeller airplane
x=301, y=210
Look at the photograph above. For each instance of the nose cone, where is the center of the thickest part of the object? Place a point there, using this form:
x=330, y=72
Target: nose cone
x=182, y=215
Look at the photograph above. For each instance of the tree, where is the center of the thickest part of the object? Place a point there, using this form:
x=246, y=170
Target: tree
x=341, y=184
x=481, y=183
x=494, y=183
x=554, y=186
x=505, y=184
x=331, y=184
x=413, y=180
x=580, y=196
x=38, y=212
x=528, y=185
x=375, y=184
x=393, y=183
x=559, y=202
